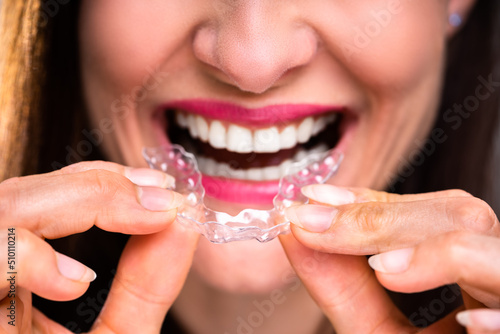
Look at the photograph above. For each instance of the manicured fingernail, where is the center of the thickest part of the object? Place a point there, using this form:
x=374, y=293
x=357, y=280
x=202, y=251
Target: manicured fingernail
x=328, y=194
x=313, y=218
x=158, y=199
x=149, y=177
x=73, y=269
x=484, y=320
x=463, y=318
x=393, y=262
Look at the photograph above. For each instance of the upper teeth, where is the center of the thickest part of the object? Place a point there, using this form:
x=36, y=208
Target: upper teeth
x=236, y=138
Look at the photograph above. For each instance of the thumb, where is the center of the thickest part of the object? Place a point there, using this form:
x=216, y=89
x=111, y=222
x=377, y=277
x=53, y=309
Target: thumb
x=150, y=275
x=346, y=289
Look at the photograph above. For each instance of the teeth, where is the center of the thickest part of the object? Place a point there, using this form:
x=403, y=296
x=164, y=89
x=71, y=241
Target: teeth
x=236, y=138
x=193, y=129
x=236, y=173
x=284, y=166
x=217, y=135
x=255, y=174
x=266, y=140
x=272, y=173
x=304, y=132
x=321, y=123
x=288, y=137
x=202, y=127
x=181, y=120
x=301, y=155
x=239, y=139
x=209, y=166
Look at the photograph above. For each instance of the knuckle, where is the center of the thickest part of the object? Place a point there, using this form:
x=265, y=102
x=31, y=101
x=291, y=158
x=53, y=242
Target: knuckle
x=23, y=245
x=388, y=197
x=368, y=195
x=11, y=181
x=23, y=241
x=140, y=292
x=105, y=185
x=458, y=193
x=474, y=214
x=9, y=196
x=369, y=217
x=454, y=243
x=84, y=166
x=455, y=246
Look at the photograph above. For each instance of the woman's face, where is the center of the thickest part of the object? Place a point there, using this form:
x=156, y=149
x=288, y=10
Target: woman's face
x=254, y=82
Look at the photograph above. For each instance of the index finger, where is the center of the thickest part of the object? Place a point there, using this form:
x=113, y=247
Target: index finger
x=139, y=176
x=367, y=222
x=74, y=199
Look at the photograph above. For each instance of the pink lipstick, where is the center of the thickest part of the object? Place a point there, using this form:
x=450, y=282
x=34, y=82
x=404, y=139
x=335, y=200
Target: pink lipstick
x=256, y=117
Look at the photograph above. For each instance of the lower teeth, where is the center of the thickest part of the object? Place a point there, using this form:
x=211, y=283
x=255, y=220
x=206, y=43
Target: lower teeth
x=230, y=170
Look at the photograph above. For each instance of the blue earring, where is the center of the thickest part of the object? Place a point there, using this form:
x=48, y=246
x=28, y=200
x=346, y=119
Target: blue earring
x=455, y=20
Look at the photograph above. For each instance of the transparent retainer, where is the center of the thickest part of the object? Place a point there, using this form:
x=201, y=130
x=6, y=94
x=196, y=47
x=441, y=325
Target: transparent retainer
x=220, y=227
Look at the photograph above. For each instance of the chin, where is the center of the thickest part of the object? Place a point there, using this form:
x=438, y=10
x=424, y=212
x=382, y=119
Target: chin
x=244, y=267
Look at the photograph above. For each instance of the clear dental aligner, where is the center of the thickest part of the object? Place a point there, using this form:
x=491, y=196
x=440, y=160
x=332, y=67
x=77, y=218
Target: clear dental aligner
x=220, y=227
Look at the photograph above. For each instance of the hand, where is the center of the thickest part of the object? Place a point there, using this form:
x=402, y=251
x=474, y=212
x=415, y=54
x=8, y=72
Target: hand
x=116, y=199
x=426, y=241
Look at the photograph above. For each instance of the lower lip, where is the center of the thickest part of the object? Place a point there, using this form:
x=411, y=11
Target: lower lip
x=240, y=191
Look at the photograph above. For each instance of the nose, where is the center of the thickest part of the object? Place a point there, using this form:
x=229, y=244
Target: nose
x=254, y=43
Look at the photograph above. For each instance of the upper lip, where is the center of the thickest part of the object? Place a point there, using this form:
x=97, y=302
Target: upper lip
x=263, y=116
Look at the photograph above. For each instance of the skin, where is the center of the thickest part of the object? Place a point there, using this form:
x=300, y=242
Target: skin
x=203, y=59
x=122, y=191
x=243, y=53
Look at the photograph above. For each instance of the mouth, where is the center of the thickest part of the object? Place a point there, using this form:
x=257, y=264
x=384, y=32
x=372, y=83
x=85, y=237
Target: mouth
x=242, y=153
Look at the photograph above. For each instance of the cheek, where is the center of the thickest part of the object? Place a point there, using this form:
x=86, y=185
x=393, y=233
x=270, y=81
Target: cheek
x=393, y=49
x=123, y=47
x=121, y=40
x=397, y=59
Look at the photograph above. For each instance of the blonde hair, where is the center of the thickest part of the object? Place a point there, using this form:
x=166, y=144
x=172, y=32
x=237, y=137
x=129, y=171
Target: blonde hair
x=20, y=71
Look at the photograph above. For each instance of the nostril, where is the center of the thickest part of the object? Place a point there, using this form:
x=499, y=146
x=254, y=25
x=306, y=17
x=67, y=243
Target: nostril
x=204, y=44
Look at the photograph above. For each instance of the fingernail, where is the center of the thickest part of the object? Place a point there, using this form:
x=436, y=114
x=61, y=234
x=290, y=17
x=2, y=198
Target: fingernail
x=149, y=177
x=328, y=194
x=158, y=199
x=313, y=218
x=393, y=262
x=484, y=320
x=74, y=270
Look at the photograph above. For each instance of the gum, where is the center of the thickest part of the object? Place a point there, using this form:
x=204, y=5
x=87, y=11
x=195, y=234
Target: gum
x=220, y=227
